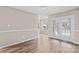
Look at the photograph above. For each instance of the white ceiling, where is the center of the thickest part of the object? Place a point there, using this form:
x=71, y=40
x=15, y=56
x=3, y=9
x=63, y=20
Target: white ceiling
x=45, y=10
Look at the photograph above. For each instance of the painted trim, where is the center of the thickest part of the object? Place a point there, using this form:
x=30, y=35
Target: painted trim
x=71, y=42
x=18, y=30
x=19, y=42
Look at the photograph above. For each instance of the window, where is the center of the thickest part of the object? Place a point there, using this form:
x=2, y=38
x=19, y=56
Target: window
x=66, y=26
x=62, y=26
x=56, y=28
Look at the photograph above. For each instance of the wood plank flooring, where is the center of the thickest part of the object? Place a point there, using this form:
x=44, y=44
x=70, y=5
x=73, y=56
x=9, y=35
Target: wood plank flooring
x=24, y=47
x=47, y=45
x=42, y=45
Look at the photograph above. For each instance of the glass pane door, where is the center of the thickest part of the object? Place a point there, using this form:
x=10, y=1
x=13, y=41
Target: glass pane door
x=56, y=27
x=66, y=26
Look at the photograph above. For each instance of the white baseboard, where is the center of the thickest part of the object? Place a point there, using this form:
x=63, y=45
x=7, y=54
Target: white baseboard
x=19, y=42
x=77, y=43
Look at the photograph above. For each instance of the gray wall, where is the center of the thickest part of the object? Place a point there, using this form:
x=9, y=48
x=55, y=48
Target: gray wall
x=16, y=26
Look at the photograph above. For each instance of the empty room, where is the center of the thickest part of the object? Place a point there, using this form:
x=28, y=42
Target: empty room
x=39, y=29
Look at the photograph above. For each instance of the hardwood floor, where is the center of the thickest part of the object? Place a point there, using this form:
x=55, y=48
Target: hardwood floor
x=24, y=47
x=42, y=45
x=47, y=45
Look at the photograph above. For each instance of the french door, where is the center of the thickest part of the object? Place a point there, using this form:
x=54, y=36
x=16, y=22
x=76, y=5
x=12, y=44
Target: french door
x=62, y=27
